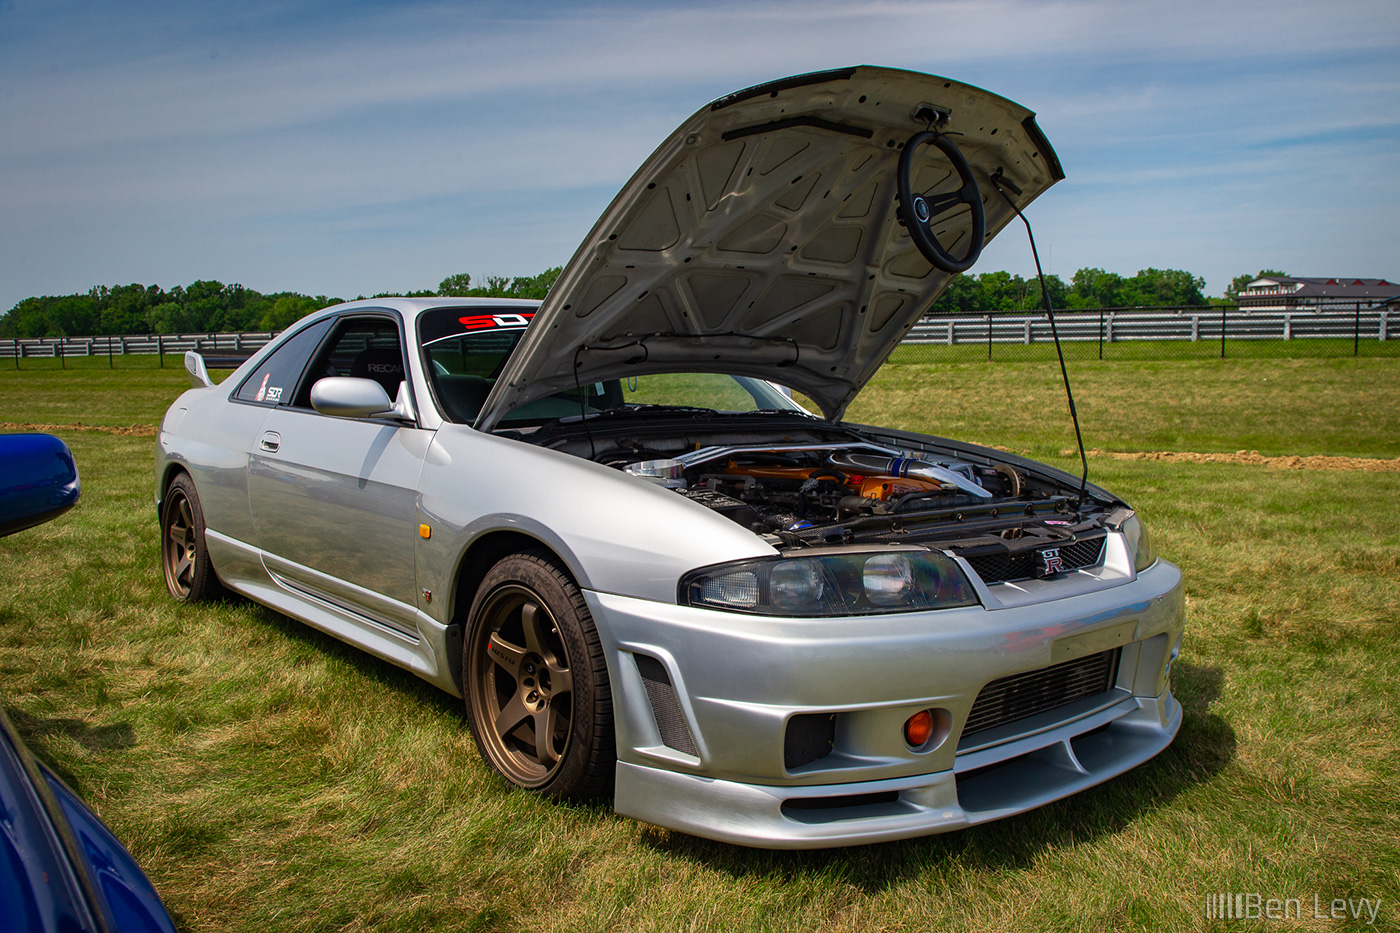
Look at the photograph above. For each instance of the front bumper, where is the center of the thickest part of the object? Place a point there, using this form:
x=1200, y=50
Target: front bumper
x=704, y=702
x=1034, y=772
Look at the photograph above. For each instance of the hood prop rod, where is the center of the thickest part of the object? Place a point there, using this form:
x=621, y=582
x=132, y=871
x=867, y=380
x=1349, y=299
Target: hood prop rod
x=582, y=408
x=998, y=181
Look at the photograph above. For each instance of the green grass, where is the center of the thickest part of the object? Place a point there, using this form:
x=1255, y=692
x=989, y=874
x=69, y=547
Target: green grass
x=271, y=778
x=1141, y=350
x=137, y=390
x=1347, y=407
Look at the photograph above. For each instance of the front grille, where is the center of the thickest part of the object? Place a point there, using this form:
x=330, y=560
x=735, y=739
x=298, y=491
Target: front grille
x=1002, y=565
x=665, y=705
x=1008, y=699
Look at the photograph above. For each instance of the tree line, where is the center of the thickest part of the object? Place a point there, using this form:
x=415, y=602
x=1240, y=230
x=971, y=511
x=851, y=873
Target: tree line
x=1088, y=288
x=213, y=307
x=209, y=306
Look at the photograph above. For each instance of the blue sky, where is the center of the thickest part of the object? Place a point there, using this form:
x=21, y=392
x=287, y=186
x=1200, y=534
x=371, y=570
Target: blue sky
x=347, y=148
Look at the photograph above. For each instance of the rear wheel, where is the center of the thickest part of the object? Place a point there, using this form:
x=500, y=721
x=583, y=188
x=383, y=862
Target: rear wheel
x=536, y=681
x=189, y=574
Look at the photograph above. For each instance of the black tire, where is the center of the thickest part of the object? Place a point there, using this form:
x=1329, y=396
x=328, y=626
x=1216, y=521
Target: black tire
x=189, y=574
x=532, y=665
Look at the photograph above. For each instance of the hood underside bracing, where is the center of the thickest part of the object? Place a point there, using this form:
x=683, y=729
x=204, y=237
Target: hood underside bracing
x=762, y=239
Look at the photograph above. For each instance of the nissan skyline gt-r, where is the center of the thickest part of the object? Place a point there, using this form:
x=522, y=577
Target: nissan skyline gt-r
x=629, y=526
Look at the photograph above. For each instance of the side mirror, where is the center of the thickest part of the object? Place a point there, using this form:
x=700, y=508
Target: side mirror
x=352, y=397
x=40, y=480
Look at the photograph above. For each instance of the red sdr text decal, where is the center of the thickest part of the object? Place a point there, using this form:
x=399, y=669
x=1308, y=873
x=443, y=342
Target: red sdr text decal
x=485, y=321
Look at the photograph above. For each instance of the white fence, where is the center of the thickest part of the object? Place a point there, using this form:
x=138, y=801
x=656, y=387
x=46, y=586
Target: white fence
x=213, y=346
x=1107, y=326
x=1195, y=324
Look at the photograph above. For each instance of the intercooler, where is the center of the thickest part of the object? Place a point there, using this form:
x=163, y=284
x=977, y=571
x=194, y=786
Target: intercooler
x=1018, y=696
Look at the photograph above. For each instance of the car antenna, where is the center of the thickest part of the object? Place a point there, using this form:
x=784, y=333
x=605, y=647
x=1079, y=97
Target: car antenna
x=997, y=182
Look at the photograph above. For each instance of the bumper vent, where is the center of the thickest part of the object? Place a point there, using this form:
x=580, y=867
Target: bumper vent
x=809, y=737
x=1000, y=566
x=1008, y=699
x=665, y=706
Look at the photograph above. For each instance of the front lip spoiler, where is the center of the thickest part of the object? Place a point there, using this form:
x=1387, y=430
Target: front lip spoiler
x=1061, y=762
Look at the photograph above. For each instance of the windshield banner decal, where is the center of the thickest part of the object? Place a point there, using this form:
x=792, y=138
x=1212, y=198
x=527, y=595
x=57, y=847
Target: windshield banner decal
x=488, y=321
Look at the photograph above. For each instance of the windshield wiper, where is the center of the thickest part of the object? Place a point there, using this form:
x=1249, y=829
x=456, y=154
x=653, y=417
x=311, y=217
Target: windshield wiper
x=637, y=409
x=781, y=411
x=656, y=406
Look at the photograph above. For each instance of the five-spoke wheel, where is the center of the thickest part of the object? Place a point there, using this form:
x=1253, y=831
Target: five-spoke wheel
x=535, y=680
x=189, y=574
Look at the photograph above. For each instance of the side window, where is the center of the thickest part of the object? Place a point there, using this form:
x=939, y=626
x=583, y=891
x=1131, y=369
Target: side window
x=273, y=382
x=368, y=348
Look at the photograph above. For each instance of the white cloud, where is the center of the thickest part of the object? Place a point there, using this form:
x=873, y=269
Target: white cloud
x=446, y=55
x=237, y=122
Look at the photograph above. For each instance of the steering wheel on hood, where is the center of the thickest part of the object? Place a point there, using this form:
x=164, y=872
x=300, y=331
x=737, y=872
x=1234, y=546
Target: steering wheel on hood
x=918, y=211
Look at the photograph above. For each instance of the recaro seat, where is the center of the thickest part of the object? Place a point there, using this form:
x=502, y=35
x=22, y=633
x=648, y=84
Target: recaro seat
x=382, y=364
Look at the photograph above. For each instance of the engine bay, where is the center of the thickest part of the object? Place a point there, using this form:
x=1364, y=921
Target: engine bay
x=842, y=487
x=790, y=489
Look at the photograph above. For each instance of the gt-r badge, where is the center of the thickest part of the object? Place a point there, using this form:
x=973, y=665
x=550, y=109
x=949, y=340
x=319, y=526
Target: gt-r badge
x=1049, y=562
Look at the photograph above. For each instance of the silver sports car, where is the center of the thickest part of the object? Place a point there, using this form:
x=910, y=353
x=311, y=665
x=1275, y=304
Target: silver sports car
x=629, y=526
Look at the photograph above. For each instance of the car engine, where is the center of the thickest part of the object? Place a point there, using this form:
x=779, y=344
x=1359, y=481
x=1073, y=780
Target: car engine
x=825, y=494
x=792, y=488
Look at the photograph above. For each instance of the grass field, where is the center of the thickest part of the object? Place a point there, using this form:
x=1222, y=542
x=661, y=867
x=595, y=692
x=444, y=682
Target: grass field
x=270, y=778
x=1278, y=407
x=1043, y=350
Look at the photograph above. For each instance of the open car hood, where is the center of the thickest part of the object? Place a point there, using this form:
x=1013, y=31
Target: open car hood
x=762, y=239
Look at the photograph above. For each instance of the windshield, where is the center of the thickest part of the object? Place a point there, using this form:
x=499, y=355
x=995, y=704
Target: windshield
x=465, y=349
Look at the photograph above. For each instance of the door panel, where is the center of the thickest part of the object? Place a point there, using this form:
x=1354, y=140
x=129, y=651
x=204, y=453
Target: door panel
x=334, y=503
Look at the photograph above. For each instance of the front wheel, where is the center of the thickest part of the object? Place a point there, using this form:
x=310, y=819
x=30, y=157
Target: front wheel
x=189, y=574
x=536, y=682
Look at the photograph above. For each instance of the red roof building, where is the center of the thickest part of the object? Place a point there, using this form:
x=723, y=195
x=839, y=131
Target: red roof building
x=1291, y=293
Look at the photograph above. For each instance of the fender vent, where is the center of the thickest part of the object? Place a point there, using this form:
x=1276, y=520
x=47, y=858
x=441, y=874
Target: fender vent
x=665, y=705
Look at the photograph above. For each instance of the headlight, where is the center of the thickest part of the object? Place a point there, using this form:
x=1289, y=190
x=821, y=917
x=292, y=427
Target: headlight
x=841, y=584
x=797, y=583
x=888, y=579
x=1139, y=544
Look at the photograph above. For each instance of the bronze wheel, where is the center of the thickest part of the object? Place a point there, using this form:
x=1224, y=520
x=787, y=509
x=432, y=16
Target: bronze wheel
x=189, y=575
x=535, y=680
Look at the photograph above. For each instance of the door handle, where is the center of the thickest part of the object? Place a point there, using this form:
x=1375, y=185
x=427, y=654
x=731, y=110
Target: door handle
x=270, y=442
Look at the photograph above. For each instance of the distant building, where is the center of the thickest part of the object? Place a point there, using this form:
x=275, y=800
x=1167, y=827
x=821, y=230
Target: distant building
x=1290, y=293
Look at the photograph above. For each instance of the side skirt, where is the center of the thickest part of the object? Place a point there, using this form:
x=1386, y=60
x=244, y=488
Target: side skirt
x=424, y=652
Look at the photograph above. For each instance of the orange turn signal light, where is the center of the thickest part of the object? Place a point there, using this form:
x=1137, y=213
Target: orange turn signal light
x=918, y=729
x=424, y=531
